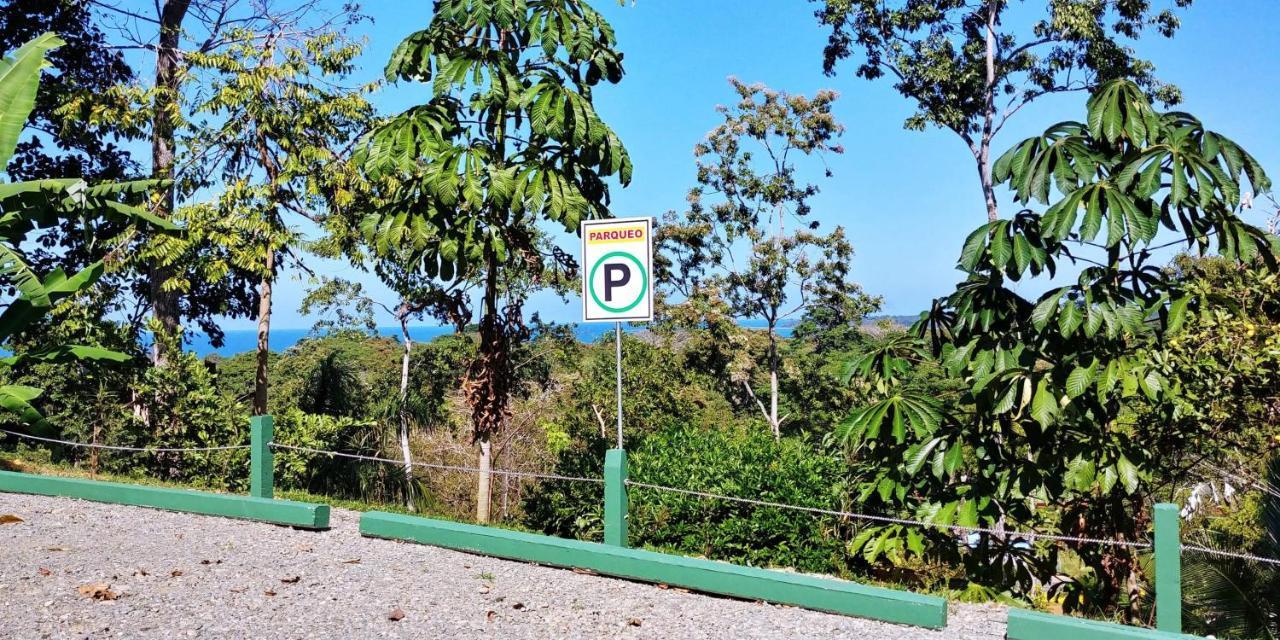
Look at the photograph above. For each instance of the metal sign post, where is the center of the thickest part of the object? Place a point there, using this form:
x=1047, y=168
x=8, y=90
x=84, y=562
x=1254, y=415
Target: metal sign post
x=617, y=273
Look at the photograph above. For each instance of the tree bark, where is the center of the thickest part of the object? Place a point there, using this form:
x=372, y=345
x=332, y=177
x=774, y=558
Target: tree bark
x=773, y=382
x=403, y=313
x=484, y=479
x=260, y=377
x=988, y=119
x=165, y=304
x=489, y=387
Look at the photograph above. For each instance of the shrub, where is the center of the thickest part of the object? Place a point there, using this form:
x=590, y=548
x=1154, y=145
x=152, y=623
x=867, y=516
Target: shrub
x=727, y=462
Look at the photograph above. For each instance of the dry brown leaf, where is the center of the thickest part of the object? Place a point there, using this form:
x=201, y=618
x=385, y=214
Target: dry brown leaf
x=351, y=561
x=518, y=606
x=491, y=615
x=9, y=518
x=396, y=615
x=98, y=591
x=238, y=589
x=268, y=592
x=175, y=573
x=291, y=580
x=635, y=622
x=585, y=572
x=55, y=548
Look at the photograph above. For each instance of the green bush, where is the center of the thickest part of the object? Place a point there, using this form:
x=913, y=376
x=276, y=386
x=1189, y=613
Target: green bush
x=734, y=463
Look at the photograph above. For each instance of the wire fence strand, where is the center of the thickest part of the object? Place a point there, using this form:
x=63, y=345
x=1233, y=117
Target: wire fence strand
x=442, y=467
x=1209, y=551
x=112, y=447
x=1030, y=535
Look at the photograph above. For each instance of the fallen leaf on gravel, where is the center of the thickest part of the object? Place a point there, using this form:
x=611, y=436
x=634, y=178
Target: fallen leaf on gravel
x=491, y=615
x=55, y=548
x=9, y=518
x=175, y=573
x=43, y=571
x=635, y=622
x=291, y=580
x=239, y=590
x=518, y=606
x=98, y=591
x=663, y=585
x=268, y=592
x=396, y=614
x=351, y=561
x=141, y=572
x=585, y=572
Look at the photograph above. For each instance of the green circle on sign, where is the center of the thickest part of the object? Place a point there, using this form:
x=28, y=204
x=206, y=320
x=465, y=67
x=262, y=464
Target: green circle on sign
x=644, y=281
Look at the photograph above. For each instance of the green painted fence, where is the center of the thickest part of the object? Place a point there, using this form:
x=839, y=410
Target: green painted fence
x=285, y=512
x=614, y=558
x=1031, y=625
x=823, y=594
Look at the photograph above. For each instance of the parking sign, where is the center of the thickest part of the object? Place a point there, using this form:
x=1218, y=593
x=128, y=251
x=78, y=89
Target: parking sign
x=617, y=270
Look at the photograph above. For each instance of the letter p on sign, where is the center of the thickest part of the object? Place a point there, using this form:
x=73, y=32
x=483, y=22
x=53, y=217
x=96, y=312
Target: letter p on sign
x=617, y=270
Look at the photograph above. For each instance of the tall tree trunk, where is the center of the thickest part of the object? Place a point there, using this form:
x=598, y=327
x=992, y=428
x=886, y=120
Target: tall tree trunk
x=164, y=304
x=403, y=313
x=260, y=377
x=988, y=121
x=487, y=385
x=773, y=382
x=484, y=479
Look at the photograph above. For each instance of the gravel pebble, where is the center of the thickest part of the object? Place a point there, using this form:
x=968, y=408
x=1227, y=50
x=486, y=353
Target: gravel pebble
x=186, y=576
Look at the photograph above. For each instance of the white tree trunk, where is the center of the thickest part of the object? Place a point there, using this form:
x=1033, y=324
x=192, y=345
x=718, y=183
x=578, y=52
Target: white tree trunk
x=403, y=409
x=484, y=480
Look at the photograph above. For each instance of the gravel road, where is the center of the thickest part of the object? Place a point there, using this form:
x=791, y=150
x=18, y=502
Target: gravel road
x=75, y=569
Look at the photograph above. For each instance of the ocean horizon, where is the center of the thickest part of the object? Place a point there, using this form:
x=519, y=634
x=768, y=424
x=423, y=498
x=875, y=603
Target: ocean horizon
x=241, y=340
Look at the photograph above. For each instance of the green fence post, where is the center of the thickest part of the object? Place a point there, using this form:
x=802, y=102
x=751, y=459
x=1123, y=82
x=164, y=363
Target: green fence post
x=1168, y=550
x=615, y=497
x=261, y=461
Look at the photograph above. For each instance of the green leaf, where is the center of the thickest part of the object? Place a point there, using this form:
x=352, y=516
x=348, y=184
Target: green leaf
x=1044, y=404
x=19, y=81
x=1069, y=318
x=1078, y=381
x=955, y=455
x=1128, y=474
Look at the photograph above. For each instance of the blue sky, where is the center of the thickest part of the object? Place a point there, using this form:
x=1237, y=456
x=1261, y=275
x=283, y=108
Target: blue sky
x=906, y=199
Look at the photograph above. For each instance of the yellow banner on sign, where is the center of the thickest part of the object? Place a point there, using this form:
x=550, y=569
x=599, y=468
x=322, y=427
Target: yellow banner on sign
x=621, y=234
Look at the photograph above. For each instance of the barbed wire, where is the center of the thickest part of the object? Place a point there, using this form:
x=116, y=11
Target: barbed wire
x=1195, y=548
x=1030, y=535
x=111, y=447
x=430, y=465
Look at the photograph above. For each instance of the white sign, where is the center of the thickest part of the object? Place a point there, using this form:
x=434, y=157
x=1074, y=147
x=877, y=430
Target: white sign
x=617, y=270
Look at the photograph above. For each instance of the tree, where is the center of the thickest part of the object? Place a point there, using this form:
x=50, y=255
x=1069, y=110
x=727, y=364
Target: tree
x=281, y=126
x=417, y=296
x=30, y=206
x=509, y=138
x=748, y=165
x=192, y=279
x=1234, y=597
x=1053, y=385
x=62, y=142
x=969, y=68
